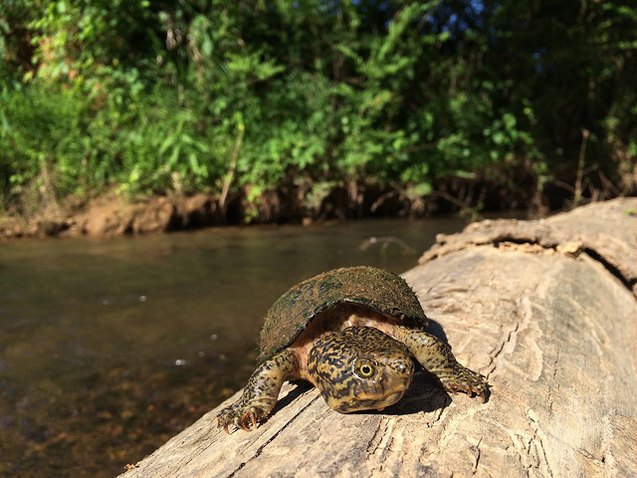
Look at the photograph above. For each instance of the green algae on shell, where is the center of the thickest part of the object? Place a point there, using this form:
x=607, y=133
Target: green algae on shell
x=370, y=287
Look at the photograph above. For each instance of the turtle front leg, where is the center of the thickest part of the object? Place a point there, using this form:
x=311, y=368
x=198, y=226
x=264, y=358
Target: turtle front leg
x=436, y=357
x=260, y=394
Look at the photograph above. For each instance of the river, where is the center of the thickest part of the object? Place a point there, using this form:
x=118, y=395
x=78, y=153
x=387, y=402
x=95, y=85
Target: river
x=108, y=347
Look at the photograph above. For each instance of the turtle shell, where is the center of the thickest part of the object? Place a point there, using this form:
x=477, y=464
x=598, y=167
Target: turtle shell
x=376, y=289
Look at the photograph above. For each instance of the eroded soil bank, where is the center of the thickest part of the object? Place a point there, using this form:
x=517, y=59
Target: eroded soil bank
x=112, y=214
x=116, y=215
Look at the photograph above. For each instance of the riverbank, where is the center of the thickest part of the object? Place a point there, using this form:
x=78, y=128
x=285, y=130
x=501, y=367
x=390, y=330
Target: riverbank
x=111, y=214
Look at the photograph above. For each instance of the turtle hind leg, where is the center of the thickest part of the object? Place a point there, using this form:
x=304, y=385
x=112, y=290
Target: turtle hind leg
x=436, y=357
x=260, y=394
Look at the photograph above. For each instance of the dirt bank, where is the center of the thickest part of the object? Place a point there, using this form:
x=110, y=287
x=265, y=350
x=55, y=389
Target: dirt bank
x=113, y=214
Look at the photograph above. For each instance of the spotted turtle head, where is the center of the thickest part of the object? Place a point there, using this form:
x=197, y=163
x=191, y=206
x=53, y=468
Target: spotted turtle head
x=360, y=368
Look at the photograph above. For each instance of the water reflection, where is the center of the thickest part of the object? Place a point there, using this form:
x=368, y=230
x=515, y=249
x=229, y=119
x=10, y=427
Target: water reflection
x=109, y=347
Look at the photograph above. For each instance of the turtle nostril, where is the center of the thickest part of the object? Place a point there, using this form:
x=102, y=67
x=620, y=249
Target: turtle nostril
x=402, y=367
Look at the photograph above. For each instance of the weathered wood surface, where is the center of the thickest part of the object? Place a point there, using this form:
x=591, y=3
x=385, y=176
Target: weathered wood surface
x=551, y=326
x=605, y=230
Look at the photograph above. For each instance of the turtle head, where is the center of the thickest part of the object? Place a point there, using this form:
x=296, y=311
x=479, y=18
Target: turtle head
x=360, y=368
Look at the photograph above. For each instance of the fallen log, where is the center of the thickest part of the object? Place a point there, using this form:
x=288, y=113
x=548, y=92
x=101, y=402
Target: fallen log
x=547, y=310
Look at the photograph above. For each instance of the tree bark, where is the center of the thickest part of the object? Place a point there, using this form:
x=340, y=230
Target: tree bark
x=546, y=310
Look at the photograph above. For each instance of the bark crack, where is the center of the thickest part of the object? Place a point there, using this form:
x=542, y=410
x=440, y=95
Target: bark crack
x=260, y=449
x=375, y=441
x=569, y=249
x=200, y=450
x=501, y=346
x=553, y=380
x=628, y=282
x=478, y=455
x=380, y=443
x=537, y=442
x=589, y=456
x=531, y=239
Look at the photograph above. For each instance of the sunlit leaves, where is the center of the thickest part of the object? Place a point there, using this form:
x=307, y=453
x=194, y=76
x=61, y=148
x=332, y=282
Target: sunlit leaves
x=152, y=96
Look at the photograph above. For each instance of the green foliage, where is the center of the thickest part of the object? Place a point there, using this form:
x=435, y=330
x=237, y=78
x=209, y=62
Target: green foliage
x=37, y=127
x=148, y=96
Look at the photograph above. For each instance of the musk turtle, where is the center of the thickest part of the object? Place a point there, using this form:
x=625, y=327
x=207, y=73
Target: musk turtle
x=353, y=333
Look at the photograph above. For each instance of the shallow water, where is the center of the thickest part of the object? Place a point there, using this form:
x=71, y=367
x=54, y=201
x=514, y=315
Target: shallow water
x=109, y=347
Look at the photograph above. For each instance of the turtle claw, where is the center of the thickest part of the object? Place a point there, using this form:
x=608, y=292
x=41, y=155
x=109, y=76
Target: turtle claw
x=481, y=389
x=469, y=382
x=251, y=418
x=225, y=419
x=247, y=418
x=477, y=390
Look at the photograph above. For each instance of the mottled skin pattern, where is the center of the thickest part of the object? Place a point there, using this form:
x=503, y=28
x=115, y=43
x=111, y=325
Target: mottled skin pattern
x=260, y=394
x=355, y=368
x=436, y=358
x=359, y=357
x=360, y=368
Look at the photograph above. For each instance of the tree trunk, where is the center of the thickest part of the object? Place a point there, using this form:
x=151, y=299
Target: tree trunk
x=545, y=309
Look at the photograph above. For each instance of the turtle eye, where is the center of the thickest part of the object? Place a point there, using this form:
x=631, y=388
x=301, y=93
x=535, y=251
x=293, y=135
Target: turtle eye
x=365, y=370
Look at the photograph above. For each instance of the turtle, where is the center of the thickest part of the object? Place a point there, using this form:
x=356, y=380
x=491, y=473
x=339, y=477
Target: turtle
x=354, y=333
